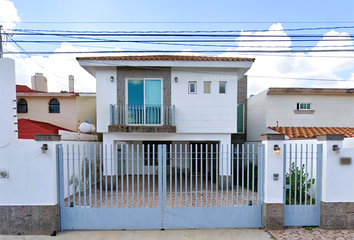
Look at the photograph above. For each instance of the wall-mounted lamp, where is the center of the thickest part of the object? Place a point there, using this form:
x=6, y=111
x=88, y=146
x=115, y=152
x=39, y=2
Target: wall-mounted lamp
x=335, y=148
x=176, y=79
x=4, y=173
x=276, y=149
x=112, y=79
x=44, y=148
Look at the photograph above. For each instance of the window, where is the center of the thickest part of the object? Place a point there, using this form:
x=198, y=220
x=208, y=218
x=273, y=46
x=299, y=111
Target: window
x=144, y=101
x=22, y=106
x=207, y=87
x=222, y=87
x=192, y=87
x=303, y=106
x=54, y=106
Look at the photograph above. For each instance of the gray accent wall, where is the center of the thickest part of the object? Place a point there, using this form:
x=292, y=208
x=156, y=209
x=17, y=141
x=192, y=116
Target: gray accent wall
x=242, y=90
x=136, y=72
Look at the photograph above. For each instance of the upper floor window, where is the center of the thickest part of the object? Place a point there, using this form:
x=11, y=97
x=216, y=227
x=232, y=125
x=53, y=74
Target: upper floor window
x=192, y=87
x=222, y=87
x=22, y=106
x=207, y=86
x=303, y=106
x=54, y=106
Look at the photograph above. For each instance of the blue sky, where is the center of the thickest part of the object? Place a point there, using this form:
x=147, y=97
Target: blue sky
x=244, y=15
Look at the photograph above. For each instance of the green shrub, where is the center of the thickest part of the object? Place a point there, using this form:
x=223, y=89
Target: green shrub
x=302, y=185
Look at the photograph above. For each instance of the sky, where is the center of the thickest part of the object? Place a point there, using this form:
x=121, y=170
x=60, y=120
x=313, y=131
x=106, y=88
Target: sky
x=274, y=18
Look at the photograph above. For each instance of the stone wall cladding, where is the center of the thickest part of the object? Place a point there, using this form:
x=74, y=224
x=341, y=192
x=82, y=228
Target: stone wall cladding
x=273, y=216
x=47, y=137
x=136, y=72
x=29, y=220
x=142, y=129
x=331, y=137
x=272, y=136
x=242, y=90
x=242, y=98
x=337, y=215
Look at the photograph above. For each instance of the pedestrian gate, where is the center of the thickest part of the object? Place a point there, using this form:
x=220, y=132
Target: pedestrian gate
x=131, y=186
x=302, y=184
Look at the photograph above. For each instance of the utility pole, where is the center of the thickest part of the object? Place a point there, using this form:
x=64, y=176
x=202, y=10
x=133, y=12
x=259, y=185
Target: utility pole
x=1, y=51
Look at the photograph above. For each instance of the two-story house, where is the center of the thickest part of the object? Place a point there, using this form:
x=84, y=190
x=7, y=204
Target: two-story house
x=301, y=113
x=66, y=109
x=172, y=100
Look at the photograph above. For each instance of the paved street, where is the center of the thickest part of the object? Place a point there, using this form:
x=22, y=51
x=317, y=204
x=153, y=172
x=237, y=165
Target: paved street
x=202, y=234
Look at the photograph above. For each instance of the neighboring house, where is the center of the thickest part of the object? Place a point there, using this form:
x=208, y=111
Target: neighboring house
x=301, y=112
x=28, y=128
x=64, y=109
x=170, y=99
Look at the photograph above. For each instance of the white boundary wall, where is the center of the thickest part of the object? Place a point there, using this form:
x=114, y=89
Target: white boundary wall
x=337, y=179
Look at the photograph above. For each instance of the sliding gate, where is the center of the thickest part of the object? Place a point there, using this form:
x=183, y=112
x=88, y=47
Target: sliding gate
x=131, y=186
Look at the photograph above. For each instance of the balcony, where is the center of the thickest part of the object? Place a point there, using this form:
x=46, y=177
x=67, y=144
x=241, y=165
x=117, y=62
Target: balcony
x=142, y=118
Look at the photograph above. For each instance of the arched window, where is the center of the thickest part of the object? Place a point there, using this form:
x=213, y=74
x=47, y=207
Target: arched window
x=22, y=106
x=54, y=106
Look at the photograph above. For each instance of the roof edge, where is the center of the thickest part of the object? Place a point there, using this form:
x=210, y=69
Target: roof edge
x=307, y=91
x=166, y=58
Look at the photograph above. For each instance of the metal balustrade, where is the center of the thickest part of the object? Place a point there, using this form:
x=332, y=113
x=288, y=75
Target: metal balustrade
x=147, y=114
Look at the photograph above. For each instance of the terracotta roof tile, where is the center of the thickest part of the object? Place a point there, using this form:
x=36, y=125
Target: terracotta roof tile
x=28, y=128
x=312, y=132
x=25, y=89
x=167, y=58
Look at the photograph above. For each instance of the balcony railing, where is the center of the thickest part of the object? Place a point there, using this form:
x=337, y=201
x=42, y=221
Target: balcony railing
x=153, y=115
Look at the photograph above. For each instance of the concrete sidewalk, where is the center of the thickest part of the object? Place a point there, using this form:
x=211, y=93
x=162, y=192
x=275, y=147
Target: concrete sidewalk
x=202, y=234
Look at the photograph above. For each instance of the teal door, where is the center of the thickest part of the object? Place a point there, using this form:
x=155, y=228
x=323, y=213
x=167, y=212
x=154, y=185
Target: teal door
x=144, y=101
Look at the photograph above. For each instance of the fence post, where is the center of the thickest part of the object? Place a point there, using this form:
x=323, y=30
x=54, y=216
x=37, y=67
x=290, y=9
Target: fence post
x=273, y=202
x=337, y=202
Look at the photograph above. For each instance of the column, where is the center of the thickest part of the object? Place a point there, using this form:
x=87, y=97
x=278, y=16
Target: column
x=273, y=204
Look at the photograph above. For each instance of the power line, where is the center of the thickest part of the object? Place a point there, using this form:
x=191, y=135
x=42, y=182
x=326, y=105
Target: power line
x=35, y=60
x=188, y=31
x=177, y=44
x=176, y=22
x=189, y=51
x=181, y=35
x=191, y=40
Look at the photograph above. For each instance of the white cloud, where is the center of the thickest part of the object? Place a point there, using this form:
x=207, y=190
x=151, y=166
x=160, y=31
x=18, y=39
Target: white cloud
x=294, y=65
x=56, y=68
x=8, y=14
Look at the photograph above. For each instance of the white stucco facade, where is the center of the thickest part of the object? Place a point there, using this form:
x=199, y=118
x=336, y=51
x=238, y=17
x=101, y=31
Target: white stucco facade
x=106, y=94
x=201, y=112
x=7, y=102
x=198, y=116
x=328, y=109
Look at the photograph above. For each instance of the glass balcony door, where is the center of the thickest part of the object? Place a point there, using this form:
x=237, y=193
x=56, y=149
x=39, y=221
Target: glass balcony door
x=144, y=101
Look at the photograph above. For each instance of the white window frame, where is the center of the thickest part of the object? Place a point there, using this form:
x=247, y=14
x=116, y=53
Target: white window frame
x=209, y=87
x=225, y=87
x=298, y=106
x=189, y=87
